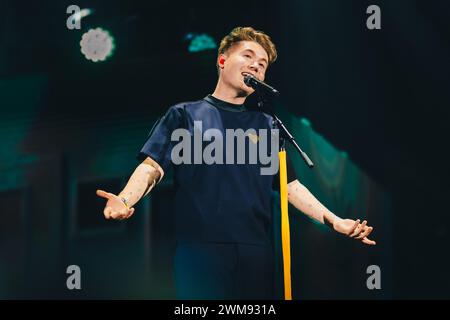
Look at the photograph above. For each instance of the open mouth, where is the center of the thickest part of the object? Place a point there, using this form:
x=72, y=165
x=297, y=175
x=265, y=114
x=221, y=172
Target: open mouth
x=247, y=73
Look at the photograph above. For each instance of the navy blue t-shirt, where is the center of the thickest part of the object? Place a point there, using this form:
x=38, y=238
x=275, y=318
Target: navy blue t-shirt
x=229, y=202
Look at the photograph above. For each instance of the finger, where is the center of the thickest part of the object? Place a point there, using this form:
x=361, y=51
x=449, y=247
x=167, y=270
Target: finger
x=362, y=229
x=130, y=213
x=121, y=214
x=126, y=214
x=359, y=229
x=369, y=242
x=115, y=215
x=103, y=194
x=354, y=227
x=364, y=234
x=107, y=212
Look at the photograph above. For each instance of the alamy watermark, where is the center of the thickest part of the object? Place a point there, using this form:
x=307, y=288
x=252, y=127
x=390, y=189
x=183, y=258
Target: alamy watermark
x=374, y=20
x=73, y=21
x=74, y=280
x=235, y=140
x=374, y=280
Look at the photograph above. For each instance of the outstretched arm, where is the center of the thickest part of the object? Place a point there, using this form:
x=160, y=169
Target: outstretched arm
x=302, y=199
x=141, y=182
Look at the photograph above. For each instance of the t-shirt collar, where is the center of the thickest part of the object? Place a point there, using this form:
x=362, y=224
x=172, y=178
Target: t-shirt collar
x=225, y=105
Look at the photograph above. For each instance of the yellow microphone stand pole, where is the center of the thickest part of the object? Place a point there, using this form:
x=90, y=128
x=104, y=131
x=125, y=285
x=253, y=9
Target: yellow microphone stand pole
x=285, y=231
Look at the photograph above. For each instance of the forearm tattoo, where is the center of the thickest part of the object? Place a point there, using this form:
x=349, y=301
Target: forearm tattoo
x=140, y=184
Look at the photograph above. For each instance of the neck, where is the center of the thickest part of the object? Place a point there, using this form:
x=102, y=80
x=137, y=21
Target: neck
x=227, y=94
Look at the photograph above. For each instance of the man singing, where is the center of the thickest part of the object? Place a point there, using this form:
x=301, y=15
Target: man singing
x=222, y=207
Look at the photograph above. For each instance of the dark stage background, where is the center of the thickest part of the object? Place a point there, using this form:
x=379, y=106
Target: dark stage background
x=377, y=98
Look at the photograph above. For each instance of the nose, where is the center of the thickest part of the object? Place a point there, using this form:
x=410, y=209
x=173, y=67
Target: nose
x=254, y=66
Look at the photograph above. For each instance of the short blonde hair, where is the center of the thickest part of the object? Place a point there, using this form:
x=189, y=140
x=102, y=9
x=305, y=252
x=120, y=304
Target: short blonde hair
x=249, y=34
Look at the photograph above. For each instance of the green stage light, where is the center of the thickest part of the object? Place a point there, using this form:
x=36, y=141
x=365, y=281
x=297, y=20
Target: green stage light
x=201, y=42
x=306, y=122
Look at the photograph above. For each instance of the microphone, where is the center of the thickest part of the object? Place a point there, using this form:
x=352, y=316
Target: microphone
x=256, y=84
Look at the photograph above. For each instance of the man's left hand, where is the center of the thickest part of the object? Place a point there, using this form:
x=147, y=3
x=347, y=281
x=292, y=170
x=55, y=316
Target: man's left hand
x=354, y=229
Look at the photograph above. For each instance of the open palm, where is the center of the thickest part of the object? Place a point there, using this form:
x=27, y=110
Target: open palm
x=354, y=229
x=115, y=208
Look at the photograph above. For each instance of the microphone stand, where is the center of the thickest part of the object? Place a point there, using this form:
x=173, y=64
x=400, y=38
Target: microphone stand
x=263, y=104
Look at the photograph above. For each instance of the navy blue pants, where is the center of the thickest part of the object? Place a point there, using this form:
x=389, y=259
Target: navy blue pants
x=223, y=271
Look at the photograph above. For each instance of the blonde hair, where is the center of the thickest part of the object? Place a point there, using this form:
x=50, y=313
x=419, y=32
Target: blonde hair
x=248, y=34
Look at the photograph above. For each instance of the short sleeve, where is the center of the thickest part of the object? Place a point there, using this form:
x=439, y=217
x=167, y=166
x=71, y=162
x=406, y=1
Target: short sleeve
x=159, y=145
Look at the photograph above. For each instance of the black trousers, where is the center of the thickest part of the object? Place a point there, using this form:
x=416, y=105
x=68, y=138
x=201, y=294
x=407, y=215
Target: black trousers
x=223, y=271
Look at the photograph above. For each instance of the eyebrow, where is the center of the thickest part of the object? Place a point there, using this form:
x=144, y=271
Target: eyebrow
x=264, y=59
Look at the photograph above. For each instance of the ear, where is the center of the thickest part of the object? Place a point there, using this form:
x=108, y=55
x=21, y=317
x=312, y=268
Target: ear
x=221, y=60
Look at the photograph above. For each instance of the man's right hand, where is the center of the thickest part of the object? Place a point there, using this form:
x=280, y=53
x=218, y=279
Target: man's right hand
x=115, y=208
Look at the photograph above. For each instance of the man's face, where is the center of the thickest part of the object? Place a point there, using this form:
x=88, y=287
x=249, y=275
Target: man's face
x=242, y=58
